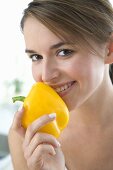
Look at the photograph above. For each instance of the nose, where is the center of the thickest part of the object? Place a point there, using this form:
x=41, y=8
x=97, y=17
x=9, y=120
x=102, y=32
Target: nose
x=50, y=71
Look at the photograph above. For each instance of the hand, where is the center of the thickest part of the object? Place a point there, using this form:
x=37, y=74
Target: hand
x=42, y=151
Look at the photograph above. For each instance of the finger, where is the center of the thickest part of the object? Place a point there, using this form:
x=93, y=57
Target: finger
x=44, y=149
x=36, y=125
x=17, y=118
x=38, y=155
x=40, y=138
x=16, y=125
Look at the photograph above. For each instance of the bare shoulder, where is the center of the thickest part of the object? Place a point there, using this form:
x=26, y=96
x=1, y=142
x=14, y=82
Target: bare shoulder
x=15, y=146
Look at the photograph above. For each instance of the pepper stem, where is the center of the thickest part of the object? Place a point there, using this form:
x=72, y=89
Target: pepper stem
x=18, y=98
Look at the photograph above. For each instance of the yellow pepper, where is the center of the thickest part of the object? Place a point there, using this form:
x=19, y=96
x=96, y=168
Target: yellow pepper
x=42, y=99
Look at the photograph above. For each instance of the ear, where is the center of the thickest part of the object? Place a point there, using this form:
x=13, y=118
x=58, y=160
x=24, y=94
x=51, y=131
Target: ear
x=109, y=57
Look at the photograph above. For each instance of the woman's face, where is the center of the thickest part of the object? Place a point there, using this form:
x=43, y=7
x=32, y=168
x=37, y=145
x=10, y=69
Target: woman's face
x=73, y=72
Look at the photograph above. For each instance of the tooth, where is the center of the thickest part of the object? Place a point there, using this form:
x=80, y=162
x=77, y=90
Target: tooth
x=58, y=89
x=66, y=86
x=62, y=88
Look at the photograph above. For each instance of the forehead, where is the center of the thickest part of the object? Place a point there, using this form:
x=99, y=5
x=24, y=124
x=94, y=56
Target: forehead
x=35, y=33
x=38, y=37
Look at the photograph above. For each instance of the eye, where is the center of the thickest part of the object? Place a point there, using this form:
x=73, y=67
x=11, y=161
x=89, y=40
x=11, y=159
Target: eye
x=35, y=57
x=65, y=52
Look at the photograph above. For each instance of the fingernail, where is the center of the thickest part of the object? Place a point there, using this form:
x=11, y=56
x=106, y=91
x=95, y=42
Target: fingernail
x=58, y=143
x=20, y=107
x=54, y=153
x=52, y=115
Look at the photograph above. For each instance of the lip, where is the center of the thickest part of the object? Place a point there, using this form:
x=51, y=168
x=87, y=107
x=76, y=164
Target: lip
x=65, y=92
x=60, y=85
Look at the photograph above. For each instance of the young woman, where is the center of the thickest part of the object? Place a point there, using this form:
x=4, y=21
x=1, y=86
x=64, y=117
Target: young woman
x=70, y=44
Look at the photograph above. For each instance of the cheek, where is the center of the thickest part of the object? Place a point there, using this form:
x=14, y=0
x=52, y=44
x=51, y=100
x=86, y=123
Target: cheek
x=77, y=69
x=36, y=73
x=91, y=75
x=86, y=71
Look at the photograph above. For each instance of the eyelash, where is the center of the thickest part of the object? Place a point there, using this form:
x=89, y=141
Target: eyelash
x=39, y=57
x=68, y=52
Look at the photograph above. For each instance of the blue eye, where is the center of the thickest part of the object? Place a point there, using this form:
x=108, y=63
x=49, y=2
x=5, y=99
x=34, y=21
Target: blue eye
x=65, y=52
x=36, y=57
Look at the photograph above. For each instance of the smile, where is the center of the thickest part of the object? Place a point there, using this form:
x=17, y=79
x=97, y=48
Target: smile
x=64, y=87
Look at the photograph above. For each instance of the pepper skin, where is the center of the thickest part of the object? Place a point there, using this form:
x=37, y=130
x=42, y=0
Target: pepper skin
x=42, y=99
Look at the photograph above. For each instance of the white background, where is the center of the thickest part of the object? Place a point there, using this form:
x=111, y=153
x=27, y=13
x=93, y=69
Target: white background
x=13, y=61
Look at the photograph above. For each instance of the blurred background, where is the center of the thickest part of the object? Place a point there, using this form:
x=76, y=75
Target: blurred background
x=15, y=70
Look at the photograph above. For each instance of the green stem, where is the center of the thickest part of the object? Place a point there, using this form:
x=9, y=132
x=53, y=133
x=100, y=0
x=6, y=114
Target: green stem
x=18, y=98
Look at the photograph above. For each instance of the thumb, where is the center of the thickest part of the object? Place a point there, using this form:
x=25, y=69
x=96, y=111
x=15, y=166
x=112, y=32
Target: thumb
x=17, y=122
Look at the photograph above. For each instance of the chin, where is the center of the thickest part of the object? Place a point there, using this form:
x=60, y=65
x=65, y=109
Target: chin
x=71, y=106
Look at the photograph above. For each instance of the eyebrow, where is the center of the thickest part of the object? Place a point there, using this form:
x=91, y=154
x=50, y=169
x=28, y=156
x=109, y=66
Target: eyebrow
x=54, y=46
x=57, y=45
